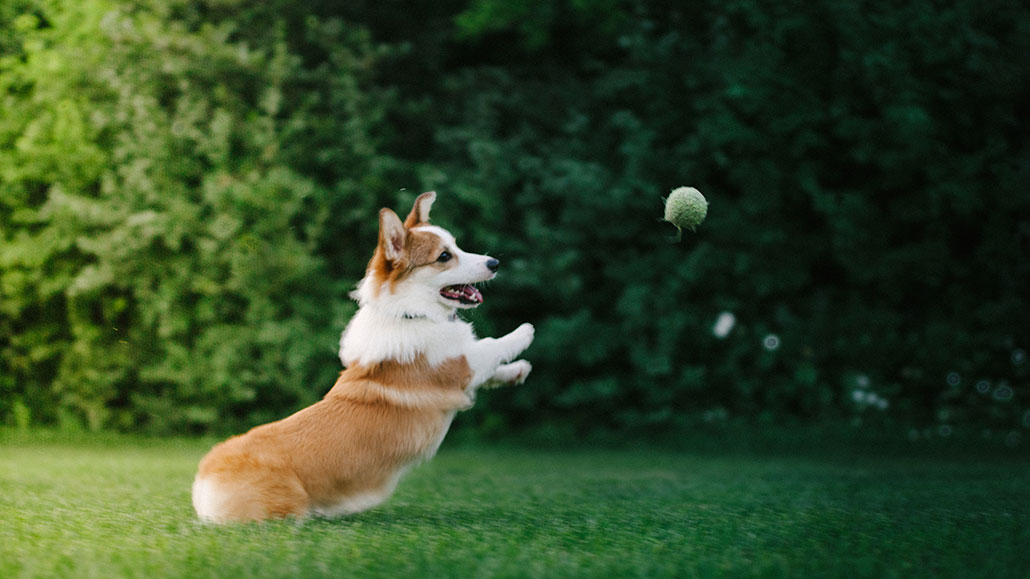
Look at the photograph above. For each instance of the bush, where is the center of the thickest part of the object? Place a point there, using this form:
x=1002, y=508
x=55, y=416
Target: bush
x=163, y=263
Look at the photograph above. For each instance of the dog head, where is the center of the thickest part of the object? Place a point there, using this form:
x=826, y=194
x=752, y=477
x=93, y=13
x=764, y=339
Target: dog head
x=418, y=270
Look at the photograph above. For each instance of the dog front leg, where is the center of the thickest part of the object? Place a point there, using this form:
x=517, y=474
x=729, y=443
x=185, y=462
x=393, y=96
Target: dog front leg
x=487, y=355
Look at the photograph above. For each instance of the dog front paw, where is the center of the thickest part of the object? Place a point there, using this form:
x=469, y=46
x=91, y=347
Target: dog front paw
x=523, y=336
x=521, y=370
x=513, y=373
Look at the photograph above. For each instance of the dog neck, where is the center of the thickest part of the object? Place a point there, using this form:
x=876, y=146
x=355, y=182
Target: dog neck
x=407, y=316
x=388, y=329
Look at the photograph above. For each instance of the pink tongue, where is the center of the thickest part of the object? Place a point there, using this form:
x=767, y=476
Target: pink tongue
x=472, y=294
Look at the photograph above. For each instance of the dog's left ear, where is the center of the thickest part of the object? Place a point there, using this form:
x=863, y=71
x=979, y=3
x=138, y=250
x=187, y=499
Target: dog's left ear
x=420, y=211
x=392, y=236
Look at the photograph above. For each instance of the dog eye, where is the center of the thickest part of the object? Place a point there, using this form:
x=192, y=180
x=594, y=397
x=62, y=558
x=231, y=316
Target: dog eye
x=445, y=256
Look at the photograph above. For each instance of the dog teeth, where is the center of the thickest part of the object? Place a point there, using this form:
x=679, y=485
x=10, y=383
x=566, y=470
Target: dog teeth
x=466, y=293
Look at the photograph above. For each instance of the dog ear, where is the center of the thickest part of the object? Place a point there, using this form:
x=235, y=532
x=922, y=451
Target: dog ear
x=392, y=235
x=420, y=211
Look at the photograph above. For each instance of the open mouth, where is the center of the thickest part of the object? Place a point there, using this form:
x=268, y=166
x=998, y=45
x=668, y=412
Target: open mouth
x=464, y=294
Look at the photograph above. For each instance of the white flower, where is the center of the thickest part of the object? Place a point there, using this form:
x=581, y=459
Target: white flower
x=724, y=325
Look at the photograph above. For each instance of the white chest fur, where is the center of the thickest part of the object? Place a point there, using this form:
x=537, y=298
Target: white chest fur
x=372, y=337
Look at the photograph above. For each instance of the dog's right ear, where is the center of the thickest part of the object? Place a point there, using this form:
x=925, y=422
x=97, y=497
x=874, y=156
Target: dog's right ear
x=392, y=235
x=420, y=211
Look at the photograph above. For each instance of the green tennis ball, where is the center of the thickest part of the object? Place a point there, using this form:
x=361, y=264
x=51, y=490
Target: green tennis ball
x=686, y=208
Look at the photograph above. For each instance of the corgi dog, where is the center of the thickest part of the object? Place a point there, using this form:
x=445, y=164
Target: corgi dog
x=410, y=365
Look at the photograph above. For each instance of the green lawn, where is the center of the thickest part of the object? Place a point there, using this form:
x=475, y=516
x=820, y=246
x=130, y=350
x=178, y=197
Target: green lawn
x=114, y=506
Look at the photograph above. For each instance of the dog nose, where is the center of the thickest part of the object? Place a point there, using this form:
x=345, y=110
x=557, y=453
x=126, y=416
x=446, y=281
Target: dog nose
x=492, y=264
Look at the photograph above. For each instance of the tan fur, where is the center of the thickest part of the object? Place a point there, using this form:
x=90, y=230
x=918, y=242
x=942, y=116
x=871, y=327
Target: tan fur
x=375, y=422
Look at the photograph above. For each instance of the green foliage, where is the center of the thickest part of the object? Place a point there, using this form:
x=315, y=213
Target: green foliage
x=868, y=209
x=188, y=189
x=161, y=259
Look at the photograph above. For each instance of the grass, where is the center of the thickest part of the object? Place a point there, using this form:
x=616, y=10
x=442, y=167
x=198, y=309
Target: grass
x=116, y=506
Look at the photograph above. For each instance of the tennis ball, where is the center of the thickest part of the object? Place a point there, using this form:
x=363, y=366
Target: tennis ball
x=686, y=208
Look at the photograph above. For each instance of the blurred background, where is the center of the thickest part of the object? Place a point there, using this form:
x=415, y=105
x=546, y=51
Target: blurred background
x=188, y=191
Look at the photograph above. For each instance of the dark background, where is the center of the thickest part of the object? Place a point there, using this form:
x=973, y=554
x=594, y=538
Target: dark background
x=188, y=191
